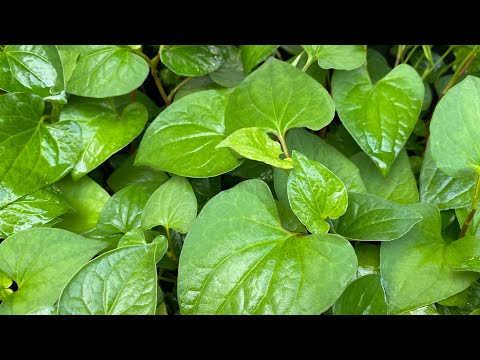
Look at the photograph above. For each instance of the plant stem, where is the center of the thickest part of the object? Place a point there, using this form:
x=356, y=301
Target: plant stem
x=170, y=252
x=278, y=54
x=399, y=54
x=174, y=91
x=410, y=54
x=153, y=71
x=464, y=65
x=55, y=114
x=284, y=145
x=429, y=69
x=473, y=209
x=307, y=64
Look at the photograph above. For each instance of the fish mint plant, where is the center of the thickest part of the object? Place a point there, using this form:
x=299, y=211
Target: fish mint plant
x=239, y=179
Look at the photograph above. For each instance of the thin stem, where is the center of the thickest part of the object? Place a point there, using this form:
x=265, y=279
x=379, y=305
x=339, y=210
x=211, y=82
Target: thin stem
x=153, y=71
x=176, y=88
x=410, y=54
x=473, y=209
x=278, y=54
x=55, y=114
x=166, y=279
x=170, y=252
x=45, y=117
x=307, y=64
x=284, y=145
x=399, y=54
x=429, y=69
x=464, y=65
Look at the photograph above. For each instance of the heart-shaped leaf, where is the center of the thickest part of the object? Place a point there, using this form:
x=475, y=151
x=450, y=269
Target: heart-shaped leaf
x=443, y=190
x=105, y=129
x=238, y=259
x=253, y=55
x=41, y=261
x=120, y=282
x=342, y=57
x=418, y=268
x=86, y=199
x=380, y=117
x=318, y=150
x=315, y=193
x=399, y=185
x=123, y=211
x=173, y=205
x=278, y=97
x=36, y=209
x=369, y=217
x=182, y=139
x=254, y=143
x=364, y=296
x=192, y=60
x=106, y=70
x=454, y=130
x=36, y=69
x=37, y=153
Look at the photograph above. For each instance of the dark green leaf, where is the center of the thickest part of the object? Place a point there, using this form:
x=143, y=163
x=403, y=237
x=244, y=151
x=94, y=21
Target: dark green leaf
x=192, y=60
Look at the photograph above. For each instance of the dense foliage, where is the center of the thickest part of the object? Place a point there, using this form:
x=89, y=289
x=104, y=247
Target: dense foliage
x=252, y=179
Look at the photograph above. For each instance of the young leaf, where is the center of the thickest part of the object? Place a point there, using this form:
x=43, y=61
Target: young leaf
x=36, y=69
x=443, y=190
x=106, y=70
x=380, y=117
x=123, y=211
x=37, y=153
x=318, y=150
x=369, y=217
x=36, y=209
x=399, y=185
x=315, y=193
x=133, y=237
x=364, y=296
x=128, y=174
x=192, y=60
x=182, y=139
x=417, y=269
x=105, y=129
x=230, y=73
x=254, y=143
x=342, y=57
x=238, y=259
x=454, y=129
x=86, y=199
x=279, y=97
x=41, y=261
x=120, y=282
x=253, y=55
x=173, y=205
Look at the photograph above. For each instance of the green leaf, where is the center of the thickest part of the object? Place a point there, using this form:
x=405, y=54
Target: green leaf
x=36, y=69
x=288, y=219
x=369, y=217
x=279, y=97
x=5, y=283
x=368, y=256
x=69, y=62
x=377, y=65
x=123, y=211
x=454, y=129
x=315, y=193
x=399, y=185
x=417, y=269
x=44, y=310
x=423, y=310
x=86, y=199
x=230, y=73
x=380, y=117
x=342, y=57
x=133, y=237
x=106, y=70
x=238, y=259
x=41, y=261
x=120, y=282
x=173, y=205
x=253, y=55
x=192, y=60
x=196, y=84
x=128, y=174
x=254, y=143
x=105, y=129
x=459, y=299
x=37, y=153
x=340, y=139
x=205, y=188
x=364, y=296
x=443, y=190
x=36, y=209
x=182, y=139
